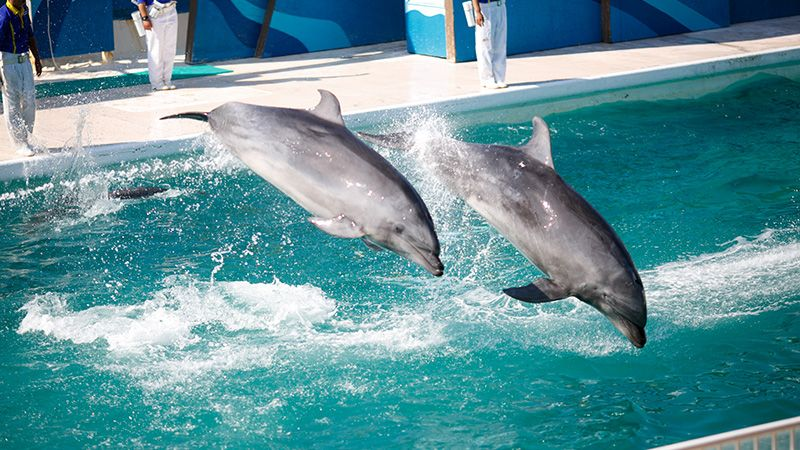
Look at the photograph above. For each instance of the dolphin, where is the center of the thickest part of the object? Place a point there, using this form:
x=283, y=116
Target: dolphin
x=518, y=191
x=135, y=192
x=69, y=203
x=350, y=190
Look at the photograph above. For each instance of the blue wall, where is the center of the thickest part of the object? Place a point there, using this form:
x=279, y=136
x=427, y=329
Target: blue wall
x=639, y=19
x=234, y=34
x=76, y=27
x=749, y=10
x=545, y=24
x=227, y=29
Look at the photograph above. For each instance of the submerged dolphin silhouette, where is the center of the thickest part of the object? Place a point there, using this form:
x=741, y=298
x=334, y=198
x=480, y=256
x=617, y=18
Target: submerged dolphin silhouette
x=135, y=192
x=519, y=192
x=351, y=190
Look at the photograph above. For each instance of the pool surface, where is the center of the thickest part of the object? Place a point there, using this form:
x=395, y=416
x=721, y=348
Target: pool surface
x=214, y=314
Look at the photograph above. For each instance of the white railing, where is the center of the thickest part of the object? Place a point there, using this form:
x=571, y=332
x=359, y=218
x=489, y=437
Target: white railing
x=780, y=435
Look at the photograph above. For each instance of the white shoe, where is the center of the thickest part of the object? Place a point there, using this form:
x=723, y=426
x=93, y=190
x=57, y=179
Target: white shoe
x=171, y=87
x=160, y=88
x=490, y=85
x=502, y=85
x=25, y=150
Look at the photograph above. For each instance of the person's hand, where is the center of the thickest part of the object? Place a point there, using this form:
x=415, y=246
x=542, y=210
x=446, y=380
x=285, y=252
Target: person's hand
x=38, y=64
x=147, y=25
x=479, y=18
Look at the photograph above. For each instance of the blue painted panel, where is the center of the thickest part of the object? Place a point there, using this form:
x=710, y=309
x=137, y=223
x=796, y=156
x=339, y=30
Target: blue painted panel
x=227, y=29
x=300, y=26
x=749, y=10
x=640, y=19
x=229, y=35
x=72, y=27
x=425, y=27
x=535, y=25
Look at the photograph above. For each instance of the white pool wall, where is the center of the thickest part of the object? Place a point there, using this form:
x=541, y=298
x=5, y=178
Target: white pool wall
x=680, y=81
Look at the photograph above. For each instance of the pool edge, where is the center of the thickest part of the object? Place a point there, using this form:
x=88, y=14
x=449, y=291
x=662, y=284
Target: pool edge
x=42, y=165
x=578, y=90
x=585, y=88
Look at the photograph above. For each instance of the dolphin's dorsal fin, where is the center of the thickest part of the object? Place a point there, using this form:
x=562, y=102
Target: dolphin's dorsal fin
x=339, y=226
x=328, y=107
x=539, y=145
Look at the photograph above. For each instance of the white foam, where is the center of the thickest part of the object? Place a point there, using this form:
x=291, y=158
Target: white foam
x=169, y=317
x=276, y=307
x=24, y=193
x=566, y=326
x=748, y=277
x=102, y=207
x=171, y=193
x=397, y=331
x=190, y=329
x=122, y=327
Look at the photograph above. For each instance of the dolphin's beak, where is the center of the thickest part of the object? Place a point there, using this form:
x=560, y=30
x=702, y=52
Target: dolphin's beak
x=428, y=259
x=633, y=332
x=203, y=116
x=433, y=265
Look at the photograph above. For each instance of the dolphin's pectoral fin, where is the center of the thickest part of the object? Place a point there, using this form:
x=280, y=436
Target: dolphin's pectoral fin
x=539, y=145
x=540, y=291
x=328, y=107
x=340, y=226
x=372, y=245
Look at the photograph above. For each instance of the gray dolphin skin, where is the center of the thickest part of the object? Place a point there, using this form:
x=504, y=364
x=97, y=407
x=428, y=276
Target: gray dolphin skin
x=517, y=190
x=350, y=190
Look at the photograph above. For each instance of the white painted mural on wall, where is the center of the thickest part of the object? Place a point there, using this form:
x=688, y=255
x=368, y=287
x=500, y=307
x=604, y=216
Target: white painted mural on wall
x=428, y=8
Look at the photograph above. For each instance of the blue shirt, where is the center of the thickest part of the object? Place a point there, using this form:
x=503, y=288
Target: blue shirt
x=146, y=2
x=15, y=29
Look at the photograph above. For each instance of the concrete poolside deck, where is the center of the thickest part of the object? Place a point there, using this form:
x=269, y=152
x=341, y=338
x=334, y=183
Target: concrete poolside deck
x=363, y=78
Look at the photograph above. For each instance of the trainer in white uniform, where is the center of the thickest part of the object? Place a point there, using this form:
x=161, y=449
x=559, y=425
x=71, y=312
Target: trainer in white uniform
x=19, y=95
x=490, y=42
x=160, y=22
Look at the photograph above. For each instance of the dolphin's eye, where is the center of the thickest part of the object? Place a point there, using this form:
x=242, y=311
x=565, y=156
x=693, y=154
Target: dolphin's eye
x=399, y=228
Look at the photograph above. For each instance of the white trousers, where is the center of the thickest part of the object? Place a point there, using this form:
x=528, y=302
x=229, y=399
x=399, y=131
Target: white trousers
x=19, y=97
x=161, y=42
x=490, y=43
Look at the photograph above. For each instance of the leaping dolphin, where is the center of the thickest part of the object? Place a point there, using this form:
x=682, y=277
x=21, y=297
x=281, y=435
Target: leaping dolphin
x=519, y=192
x=351, y=190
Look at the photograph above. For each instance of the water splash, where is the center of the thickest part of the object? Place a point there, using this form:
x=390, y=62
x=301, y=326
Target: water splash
x=192, y=328
x=219, y=258
x=750, y=276
x=190, y=331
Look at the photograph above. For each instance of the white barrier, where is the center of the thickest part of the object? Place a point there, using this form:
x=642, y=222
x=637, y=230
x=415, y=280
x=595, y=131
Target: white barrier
x=780, y=435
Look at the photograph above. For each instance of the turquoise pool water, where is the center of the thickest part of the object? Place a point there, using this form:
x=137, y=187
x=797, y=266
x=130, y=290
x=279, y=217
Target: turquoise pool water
x=215, y=315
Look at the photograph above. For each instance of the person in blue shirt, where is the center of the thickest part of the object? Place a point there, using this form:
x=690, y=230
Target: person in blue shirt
x=19, y=95
x=160, y=21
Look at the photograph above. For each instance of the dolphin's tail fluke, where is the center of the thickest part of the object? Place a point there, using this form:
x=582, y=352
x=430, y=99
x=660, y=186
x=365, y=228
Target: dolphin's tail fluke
x=402, y=140
x=189, y=115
